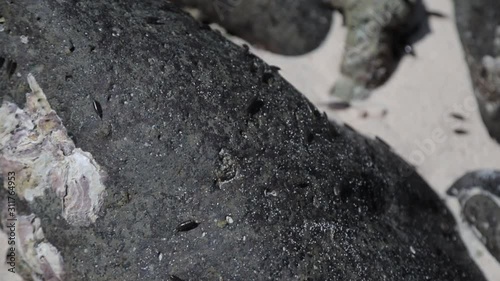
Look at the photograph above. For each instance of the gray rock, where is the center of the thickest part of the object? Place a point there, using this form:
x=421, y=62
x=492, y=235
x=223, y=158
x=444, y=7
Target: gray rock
x=214, y=170
x=478, y=24
x=379, y=34
x=478, y=193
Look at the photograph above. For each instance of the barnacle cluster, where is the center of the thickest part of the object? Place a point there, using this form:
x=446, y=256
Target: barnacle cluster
x=40, y=260
x=35, y=145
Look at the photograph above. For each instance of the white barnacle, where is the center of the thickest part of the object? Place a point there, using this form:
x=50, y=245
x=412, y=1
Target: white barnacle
x=35, y=145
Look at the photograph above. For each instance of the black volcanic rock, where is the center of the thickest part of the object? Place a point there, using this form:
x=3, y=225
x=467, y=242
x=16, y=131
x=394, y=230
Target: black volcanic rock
x=219, y=173
x=288, y=27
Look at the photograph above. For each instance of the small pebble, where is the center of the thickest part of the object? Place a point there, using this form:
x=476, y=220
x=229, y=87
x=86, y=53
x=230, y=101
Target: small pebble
x=412, y=250
x=24, y=39
x=160, y=256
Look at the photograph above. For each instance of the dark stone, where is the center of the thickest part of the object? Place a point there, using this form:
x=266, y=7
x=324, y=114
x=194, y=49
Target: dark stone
x=477, y=23
x=288, y=27
x=191, y=134
x=478, y=193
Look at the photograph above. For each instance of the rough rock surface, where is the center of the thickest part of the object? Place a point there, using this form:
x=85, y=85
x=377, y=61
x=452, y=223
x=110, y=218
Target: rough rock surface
x=478, y=23
x=288, y=27
x=217, y=168
x=478, y=193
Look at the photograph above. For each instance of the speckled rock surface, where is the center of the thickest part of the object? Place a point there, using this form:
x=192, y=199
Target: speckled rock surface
x=478, y=193
x=288, y=27
x=196, y=128
x=478, y=23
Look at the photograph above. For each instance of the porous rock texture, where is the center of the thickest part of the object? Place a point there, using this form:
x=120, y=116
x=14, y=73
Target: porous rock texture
x=196, y=128
x=478, y=24
x=288, y=27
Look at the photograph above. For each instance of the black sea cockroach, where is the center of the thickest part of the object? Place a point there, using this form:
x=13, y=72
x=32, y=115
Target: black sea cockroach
x=275, y=68
x=457, y=116
x=98, y=108
x=460, y=131
x=175, y=278
x=339, y=105
x=187, y=226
